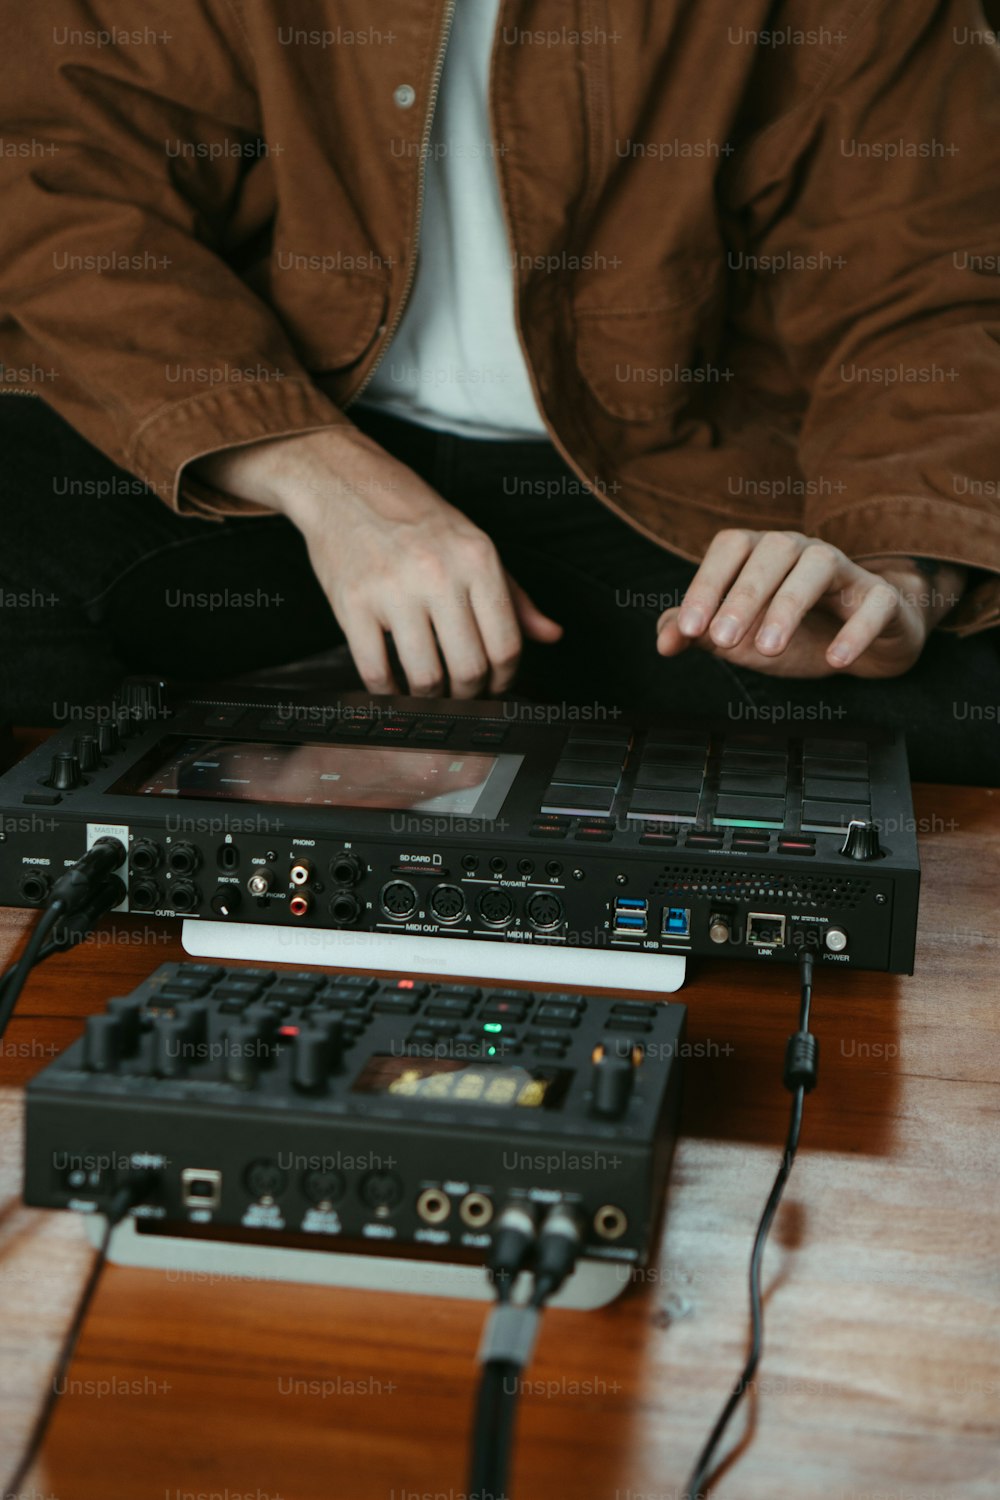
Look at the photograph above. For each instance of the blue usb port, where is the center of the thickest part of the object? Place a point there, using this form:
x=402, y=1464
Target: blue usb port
x=630, y=924
x=631, y=903
x=676, y=922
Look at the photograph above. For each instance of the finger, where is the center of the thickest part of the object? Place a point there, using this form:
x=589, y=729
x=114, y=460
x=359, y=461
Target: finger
x=417, y=649
x=669, y=640
x=819, y=569
x=877, y=610
x=764, y=571
x=461, y=646
x=366, y=641
x=499, y=631
x=536, y=625
x=727, y=552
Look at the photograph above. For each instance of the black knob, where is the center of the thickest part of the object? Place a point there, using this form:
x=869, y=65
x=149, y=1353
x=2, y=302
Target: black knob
x=107, y=739
x=172, y=1045
x=128, y=1013
x=226, y=901
x=87, y=752
x=64, y=774
x=862, y=840
x=311, y=1060
x=241, y=1049
x=194, y=1014
x=102, y=1043
x=611, y=1080
x=141, y=701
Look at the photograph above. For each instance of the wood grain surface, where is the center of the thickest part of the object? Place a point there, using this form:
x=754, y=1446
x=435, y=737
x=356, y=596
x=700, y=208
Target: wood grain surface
x=881, y=1373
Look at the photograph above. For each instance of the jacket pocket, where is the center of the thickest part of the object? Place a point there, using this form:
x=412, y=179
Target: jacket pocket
x=644, y=362
x=334, y=317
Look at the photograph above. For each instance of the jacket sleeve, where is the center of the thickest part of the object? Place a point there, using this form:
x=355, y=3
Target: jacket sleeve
x=888, y=182
x=130, y=136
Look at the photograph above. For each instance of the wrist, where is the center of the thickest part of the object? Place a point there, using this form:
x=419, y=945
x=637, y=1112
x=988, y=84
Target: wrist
x=930, y=588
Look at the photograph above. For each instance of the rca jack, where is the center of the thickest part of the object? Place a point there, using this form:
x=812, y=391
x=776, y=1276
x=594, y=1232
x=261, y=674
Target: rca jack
x=433, y=1206
x=476, y=1210
x=609, y=1222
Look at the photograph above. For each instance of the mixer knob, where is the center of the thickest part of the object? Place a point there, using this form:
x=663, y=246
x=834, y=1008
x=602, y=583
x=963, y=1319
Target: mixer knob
x=142, y=701
x=242, y=1045
x=311, y=1060
x=171, y=1044
x=64, y=773
x=862, y=840
x=102, y=1043
x=195, y=1017
x=227, y=900
x=611, y=1081
x=128, y=1013
x=87, y=753
x=107, y=739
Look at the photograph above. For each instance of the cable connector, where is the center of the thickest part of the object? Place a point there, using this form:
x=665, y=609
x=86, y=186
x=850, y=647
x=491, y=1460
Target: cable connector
x=75, y=888
x=560, y=1241
x=511, y=1246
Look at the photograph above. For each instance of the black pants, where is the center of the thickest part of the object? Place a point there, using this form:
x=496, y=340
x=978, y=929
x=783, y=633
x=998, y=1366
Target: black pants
x=98, y=578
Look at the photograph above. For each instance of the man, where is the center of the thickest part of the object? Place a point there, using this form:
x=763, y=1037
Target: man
x=518, y=313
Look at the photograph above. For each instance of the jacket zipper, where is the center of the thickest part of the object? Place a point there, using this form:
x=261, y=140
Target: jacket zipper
x=449, y=16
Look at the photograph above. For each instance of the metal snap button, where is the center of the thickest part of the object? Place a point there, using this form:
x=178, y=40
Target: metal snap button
x=405, y=96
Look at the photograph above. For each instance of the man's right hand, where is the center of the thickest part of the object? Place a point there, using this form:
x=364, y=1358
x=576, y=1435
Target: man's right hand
x=393, y=558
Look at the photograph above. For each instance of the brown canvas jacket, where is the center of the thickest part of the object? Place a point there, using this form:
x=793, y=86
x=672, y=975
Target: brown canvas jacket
x=756, y=246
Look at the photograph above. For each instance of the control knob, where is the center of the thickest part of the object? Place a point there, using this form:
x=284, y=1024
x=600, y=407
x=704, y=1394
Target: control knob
x=611, y=1081
x=862, y=840
x=64, y=773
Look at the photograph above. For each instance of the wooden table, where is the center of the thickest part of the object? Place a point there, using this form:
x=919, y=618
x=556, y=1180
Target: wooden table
x=881, y=1373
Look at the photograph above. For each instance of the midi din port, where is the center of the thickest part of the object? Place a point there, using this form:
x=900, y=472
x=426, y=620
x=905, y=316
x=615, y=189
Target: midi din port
x=545, y=911
x=398, y=900
x=35, y=887
x=448, y=903
x=496, y=908
x=433, y=1206
x=265, y=1180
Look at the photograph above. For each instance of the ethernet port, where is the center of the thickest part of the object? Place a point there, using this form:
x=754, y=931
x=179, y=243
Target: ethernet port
x=766, y=929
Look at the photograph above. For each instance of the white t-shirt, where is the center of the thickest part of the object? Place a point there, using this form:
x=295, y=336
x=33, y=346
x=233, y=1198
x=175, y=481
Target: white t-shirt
x=455, y=362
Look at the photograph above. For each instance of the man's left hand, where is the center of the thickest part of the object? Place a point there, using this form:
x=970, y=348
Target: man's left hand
x=795, y=606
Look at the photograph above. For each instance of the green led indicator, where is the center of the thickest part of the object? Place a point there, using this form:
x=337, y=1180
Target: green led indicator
x=491, y=1052
x=492, y=1026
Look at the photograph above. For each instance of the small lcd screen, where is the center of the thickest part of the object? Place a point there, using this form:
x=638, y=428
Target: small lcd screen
x=449, y=1080
x=456, y=783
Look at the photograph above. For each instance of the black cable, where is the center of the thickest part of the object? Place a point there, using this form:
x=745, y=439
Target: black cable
x=126, y=1197
x=505, y=1352
x=801, y=1059
x=81, y=895
x=19, y=974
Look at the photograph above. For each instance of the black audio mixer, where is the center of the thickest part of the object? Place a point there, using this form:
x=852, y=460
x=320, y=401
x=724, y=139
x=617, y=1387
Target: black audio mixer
x=349, y=1110
x=482, y=821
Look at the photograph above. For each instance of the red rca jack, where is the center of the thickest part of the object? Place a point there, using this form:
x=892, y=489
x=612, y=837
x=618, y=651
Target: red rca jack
x=300, y=904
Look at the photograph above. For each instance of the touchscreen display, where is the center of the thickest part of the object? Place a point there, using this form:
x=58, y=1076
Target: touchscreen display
x=462, y=783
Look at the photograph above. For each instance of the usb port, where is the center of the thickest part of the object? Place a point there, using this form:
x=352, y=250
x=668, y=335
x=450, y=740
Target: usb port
x=201, y=1187
x=630, y=924
x=631, y=904
x=676, y=922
